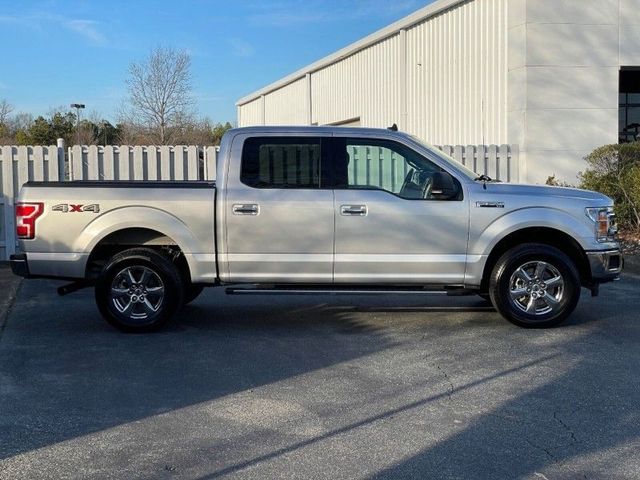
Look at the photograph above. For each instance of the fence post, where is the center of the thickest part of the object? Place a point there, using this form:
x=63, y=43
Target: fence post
x=61, y=161
x=458, y=154
x=8, y=193
x=503, y=163
x=492, y=161
x=514, y=163
x=210, y=160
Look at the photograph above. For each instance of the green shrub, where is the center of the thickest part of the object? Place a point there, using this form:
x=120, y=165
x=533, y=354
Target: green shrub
x=552, y=181
x=615, y=171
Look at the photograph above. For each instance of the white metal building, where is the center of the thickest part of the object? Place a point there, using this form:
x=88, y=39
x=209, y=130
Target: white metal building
x=557, y=78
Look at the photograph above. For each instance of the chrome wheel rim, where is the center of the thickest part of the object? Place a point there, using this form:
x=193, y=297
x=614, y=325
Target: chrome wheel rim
x=536, y=288
x=137, y=292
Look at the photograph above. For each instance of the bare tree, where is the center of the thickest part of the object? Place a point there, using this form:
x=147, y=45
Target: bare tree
x=21, y=121
x=160, y=93
x=5, y=110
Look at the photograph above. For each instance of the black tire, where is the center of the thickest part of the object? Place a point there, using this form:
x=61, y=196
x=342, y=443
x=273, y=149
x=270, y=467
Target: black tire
x=149, y=290
x=191, y=292
x=535, y=286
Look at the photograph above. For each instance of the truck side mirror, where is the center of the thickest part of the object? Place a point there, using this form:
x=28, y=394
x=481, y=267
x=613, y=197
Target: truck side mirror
x=443, y=186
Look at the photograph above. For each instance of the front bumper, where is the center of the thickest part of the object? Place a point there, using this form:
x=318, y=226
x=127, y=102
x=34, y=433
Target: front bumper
x=19, y=265
x=606, y=265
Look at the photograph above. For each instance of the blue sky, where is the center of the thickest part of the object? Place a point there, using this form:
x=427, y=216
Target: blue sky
x=58, y=52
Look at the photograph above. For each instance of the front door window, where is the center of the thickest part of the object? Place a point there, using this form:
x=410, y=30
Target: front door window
x=369, y=164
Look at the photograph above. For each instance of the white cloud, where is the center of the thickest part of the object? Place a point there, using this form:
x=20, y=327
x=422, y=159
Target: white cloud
x=241, y=48
x=206, y=98
x=42, y=21
x=383, y=8
x=88, y=29
x=287, y=18
x=289, y=13
x=8, y=19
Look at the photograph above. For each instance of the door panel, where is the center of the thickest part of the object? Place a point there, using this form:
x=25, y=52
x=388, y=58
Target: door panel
x=399, y=241
x=384, y=238
x=276, y=231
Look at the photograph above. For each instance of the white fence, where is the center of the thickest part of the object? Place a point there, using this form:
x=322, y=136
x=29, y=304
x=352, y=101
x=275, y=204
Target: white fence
x=383, y=168
x=19, y=164
x=500, y=162
x=125, y=162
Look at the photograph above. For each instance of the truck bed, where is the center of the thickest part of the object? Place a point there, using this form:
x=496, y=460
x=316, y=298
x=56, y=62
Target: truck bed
x=77, y=216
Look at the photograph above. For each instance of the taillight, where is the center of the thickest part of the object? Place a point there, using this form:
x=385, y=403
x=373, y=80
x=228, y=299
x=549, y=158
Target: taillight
x=26, y=215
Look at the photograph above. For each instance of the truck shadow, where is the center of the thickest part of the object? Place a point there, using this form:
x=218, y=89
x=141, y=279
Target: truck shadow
x=65, y=373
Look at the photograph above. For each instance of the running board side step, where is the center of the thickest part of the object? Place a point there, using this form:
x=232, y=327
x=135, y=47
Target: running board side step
x=74, y=287
x=346, y=290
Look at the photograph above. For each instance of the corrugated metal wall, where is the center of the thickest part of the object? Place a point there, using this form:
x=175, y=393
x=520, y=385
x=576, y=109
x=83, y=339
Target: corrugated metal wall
x=365, y=85
x=457, y=75
x=288, y=106
x=444, y=80
x=251, y=113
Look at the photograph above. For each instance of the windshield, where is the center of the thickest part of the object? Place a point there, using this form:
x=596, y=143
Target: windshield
x=459, y=166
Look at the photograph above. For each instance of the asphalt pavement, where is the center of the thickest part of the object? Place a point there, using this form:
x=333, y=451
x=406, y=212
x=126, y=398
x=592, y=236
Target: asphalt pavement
x=390, y=386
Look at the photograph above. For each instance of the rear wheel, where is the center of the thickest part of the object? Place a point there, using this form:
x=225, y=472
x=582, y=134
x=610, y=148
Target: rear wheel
x=535, y=286
x=139, y=290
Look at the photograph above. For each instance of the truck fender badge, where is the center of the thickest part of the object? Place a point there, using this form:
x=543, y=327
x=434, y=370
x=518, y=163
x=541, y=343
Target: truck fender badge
x=490, y=204
x=70, y=208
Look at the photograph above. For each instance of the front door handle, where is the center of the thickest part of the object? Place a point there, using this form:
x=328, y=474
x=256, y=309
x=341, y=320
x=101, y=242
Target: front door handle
x=246, y=209
x=353, y=210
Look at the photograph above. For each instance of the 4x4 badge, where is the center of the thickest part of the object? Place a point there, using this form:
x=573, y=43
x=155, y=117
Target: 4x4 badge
x=70, y=208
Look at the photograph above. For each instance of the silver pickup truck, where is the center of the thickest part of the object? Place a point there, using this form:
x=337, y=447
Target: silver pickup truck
x=315, y=209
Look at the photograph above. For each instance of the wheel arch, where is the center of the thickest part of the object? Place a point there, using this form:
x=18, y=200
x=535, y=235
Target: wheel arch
x=543, y=235
x=135, y=237
x=136, y=226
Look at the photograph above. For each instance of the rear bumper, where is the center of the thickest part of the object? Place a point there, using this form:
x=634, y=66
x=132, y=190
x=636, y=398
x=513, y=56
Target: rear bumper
x=19, y=265
x=606, y=265
x=62, y=266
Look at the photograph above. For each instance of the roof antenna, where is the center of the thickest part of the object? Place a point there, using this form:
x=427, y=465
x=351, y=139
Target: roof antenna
x=393, y=128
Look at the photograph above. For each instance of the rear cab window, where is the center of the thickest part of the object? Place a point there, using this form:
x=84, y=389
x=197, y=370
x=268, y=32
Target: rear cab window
x=282, y=162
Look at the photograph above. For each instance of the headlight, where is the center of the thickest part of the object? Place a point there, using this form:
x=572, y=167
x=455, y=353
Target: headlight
x=605, y=223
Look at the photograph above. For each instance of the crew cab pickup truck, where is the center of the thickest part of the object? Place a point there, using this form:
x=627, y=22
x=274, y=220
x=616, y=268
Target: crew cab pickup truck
x=317, y=209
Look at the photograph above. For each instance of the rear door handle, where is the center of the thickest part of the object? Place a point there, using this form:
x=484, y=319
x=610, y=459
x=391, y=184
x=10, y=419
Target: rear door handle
x=246, y=209
x=353, y=210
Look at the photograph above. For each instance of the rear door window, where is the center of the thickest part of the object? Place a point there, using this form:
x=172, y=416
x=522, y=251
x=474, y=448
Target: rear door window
x=282, y=162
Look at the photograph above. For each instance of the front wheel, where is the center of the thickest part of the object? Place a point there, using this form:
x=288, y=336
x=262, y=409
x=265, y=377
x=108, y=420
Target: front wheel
x=139, y=290
x=535, y=286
